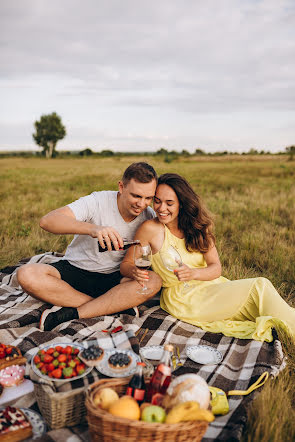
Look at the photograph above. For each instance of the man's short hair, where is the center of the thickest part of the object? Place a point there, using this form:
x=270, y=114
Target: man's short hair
x=141, y=172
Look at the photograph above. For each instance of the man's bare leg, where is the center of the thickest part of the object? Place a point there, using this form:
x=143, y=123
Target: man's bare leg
x=121, y=297
x=42, y=281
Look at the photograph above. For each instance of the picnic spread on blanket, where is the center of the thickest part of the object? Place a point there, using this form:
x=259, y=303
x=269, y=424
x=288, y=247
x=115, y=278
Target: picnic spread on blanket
x=91, y=378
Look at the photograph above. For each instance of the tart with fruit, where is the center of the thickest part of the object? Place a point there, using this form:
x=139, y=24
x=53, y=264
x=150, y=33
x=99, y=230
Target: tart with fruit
x=10, y=355
x=92, y=355
x=119, y=361
x=14, y=425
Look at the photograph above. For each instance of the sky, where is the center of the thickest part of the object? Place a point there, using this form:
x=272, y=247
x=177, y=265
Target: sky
x=141, y=75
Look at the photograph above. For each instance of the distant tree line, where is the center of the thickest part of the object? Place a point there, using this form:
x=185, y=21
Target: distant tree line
x=50, y=129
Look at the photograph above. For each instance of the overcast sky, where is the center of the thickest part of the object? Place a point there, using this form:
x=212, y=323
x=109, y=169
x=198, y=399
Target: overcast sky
x=140, y=75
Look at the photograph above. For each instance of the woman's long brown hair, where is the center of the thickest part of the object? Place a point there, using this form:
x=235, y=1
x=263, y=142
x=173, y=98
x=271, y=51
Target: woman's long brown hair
x=194, y=219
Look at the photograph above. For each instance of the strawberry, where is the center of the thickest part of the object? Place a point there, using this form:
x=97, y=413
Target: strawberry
x=50, y=351
x=72, y=364
x=62, y=358
x=40, y=365
x=80, y=368
x=55, y=363
x=50, y=367
x=8, y=350
x=48, y=359
x=37, y=359
x=57, y=373
x=55, y=354
x=76, y=351
x=68, y=350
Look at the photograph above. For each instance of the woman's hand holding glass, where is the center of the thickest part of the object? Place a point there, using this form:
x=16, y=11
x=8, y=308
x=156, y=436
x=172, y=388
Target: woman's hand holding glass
x=184, y=273
x=173, y=262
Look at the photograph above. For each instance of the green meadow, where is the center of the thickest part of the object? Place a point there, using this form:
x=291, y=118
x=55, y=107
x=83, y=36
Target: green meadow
x=253, y=202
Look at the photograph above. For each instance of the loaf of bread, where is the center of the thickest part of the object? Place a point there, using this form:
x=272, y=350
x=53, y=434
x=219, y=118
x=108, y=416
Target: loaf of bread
x=185, y=388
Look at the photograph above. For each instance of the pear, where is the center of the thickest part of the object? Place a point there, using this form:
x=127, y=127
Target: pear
x=105, y=397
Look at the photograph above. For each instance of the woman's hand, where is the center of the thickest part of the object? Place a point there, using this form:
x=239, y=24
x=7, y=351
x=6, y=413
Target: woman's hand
x=141, y=276
x=185, y=273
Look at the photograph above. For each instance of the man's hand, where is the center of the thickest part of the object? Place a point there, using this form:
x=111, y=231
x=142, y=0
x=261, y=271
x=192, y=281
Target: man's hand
x=106, y=236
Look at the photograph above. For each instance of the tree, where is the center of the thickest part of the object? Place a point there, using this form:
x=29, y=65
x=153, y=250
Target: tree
x=49, y=130
x=291, y=151
x=86, y=152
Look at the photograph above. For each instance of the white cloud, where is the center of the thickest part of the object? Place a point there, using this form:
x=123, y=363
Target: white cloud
x=161, y=70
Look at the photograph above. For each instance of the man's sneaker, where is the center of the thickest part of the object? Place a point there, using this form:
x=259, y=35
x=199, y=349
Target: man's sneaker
x=54, y=316
x=131, y=311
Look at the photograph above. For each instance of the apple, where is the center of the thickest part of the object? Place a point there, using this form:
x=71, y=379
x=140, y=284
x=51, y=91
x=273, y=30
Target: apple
x=153, y=413
x=143, y=406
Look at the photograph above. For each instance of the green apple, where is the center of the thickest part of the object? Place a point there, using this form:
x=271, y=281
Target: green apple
x=153, y=413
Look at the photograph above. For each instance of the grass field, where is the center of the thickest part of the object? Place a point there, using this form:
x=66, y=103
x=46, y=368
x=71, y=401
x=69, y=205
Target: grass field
x=252, y=199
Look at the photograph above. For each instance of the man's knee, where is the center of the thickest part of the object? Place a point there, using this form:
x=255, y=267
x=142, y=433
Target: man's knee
x=25, y=274
x=29, y=275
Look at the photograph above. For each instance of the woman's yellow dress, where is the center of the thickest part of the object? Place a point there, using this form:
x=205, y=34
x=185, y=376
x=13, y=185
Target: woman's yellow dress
x=246, y=308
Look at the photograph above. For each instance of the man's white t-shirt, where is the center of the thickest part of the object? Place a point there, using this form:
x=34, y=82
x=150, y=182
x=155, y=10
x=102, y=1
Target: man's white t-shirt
x=101, y=208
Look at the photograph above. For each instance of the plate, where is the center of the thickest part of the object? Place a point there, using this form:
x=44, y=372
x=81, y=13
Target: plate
x=37, y=422
x=104, y=368
x=153, y=352
x=203, y=354
x=61, y=344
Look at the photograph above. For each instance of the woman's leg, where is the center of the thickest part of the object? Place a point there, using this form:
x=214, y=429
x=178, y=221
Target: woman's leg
x=264, y=300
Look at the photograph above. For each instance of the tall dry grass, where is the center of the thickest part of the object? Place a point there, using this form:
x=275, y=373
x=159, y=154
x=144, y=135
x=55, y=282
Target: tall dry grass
x=253, y=200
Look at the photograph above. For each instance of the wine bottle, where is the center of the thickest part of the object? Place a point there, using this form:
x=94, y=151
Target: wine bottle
x=162, y=375
x=126, y=245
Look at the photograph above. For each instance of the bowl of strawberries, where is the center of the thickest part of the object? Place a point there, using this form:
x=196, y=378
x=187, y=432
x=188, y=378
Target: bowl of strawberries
x=59, y=362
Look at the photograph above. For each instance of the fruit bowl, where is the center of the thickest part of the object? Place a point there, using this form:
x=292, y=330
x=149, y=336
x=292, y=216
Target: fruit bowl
x=64, y=358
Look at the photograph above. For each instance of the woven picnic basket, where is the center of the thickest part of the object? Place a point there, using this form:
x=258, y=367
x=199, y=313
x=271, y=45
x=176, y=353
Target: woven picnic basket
x=63, y=409
x=104, y=427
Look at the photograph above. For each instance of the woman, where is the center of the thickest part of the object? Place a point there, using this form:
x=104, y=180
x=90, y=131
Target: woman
x=196, y=292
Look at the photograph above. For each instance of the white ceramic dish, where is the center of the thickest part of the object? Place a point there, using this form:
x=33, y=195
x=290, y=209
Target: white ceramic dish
x=104, y=367
x=45, y=347
x=37, y=422
x=204, y=354
x=153, y=352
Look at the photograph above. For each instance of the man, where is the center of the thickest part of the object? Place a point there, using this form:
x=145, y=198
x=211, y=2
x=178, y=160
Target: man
x=87, y=283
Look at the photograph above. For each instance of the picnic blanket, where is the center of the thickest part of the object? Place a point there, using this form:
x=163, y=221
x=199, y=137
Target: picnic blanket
x=243, y=360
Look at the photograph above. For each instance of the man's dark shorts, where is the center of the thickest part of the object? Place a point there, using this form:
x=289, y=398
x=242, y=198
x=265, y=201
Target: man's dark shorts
x=91, y=283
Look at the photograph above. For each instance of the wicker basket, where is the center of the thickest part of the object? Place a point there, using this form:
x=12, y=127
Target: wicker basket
x=104, y=427
x=61, y=409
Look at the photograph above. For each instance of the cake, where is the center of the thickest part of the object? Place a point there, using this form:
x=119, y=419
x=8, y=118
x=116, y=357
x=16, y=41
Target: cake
x=12, y=375
x=91, y=355
x=14, y=425
x=10, y=355
x=119, y=361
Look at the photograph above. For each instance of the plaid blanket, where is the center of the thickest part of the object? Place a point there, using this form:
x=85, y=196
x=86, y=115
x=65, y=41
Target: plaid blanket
x=243, y=360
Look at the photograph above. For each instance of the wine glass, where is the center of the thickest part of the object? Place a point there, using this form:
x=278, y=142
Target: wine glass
x=172, y=261
x=143, y=261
